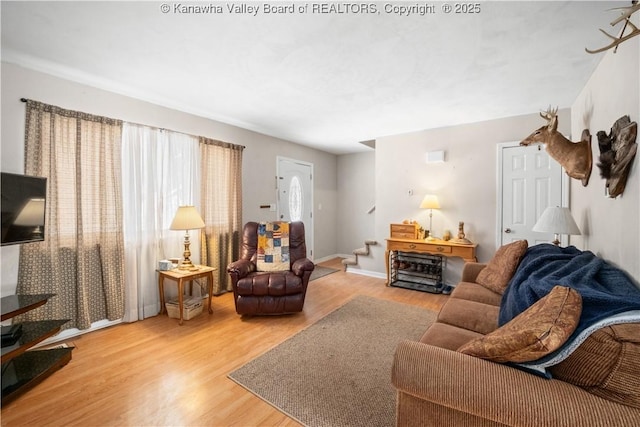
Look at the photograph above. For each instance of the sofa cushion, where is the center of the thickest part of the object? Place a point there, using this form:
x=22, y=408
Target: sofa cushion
x=474, y=292
x=499, y=271
x=606, y=364
x=471, y=315
x=447, y=336
x=536, y=332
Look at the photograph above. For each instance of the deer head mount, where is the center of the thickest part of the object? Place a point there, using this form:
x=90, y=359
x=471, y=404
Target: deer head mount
x=626, y=17
x=617, y=151
x=574, y=157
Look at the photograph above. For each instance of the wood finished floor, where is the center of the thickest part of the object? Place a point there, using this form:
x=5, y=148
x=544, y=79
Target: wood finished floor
x=157, y=373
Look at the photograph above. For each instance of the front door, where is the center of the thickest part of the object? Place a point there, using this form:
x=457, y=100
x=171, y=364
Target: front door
x=530, y=182
x=295, y=196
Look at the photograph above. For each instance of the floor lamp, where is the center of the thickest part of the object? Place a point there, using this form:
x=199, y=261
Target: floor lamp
x=558, y=221
x=430, y=202
x=187, y=218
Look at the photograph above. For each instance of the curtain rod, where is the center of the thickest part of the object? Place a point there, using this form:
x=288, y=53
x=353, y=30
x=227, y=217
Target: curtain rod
x=163, y=129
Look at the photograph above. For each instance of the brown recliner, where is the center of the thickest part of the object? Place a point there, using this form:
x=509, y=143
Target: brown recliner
x=279, y=292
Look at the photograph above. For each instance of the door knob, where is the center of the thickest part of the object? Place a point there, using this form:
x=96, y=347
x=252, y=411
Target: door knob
x=507, y=230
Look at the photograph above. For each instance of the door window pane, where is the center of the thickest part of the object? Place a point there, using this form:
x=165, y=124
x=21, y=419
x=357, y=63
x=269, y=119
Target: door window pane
x=295, y=199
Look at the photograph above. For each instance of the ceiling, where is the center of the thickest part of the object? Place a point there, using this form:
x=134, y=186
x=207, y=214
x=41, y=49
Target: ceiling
x=326, y=80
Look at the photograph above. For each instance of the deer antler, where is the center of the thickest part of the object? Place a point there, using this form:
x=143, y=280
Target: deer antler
x=549, y=114
x=630, y=10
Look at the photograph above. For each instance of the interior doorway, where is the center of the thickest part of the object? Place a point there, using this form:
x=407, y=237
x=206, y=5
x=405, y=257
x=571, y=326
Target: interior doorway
x=529, y=181
x=295, y=195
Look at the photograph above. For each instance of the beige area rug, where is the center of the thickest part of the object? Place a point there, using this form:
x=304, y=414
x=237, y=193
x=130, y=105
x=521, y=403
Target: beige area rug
x=337, y=372
x=319, y=272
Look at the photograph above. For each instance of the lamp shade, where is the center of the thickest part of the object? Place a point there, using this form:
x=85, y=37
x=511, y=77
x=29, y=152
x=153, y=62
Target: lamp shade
x=32, y=214
x=430, y=201
x=187, y=218
x=556, y=220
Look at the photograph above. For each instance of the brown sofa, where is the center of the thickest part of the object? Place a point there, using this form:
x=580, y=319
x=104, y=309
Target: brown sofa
x=437, y=385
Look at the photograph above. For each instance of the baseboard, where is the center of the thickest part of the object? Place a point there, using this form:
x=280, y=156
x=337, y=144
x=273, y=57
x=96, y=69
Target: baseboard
x=368, y=273
x=73, y=332
x=330, y=257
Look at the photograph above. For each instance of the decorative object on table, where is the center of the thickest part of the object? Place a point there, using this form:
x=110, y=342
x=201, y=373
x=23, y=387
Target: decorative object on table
x=626, y=17
x=446, y=235
x=165, y=265
x=187, y=218
x=430, y=202
x=617, y=151
x=574, y=157
x=461, y=239
x=556, y=220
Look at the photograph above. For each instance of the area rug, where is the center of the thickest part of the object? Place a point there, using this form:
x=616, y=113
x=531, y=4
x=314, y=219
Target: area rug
x=337, y=372
x=319, y=272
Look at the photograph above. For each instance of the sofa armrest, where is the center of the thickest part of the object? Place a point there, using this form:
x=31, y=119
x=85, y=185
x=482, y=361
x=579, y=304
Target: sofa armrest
x=498, y=392
x=471, y=270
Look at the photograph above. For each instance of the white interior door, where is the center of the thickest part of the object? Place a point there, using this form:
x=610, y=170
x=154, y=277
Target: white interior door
x=295, y=196
x=529, y=182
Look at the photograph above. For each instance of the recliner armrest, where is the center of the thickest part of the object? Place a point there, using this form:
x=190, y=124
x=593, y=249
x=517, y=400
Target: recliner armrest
x=241, y=268
x=301, y=265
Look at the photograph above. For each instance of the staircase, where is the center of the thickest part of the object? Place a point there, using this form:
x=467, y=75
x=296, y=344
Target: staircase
x=361, y=251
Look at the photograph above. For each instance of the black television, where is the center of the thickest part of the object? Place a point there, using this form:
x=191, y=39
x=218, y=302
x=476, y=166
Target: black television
x=23, y=200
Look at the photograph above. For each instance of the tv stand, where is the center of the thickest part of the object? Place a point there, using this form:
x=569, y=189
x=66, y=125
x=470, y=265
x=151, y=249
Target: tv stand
x=23, y=368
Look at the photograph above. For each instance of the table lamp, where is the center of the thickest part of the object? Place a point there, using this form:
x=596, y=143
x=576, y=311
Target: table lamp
x=187, y=218
x=558, y=221
x=430, y=202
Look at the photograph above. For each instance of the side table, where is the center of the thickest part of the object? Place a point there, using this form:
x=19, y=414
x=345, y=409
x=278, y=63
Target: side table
x=180, y=276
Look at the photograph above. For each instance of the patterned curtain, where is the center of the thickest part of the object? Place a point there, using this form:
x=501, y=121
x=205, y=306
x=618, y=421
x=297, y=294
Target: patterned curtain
x=81, y=259
x=221, y=207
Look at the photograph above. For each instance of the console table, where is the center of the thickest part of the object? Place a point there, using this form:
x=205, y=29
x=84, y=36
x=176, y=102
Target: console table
x=429, y=248
x=22, y=369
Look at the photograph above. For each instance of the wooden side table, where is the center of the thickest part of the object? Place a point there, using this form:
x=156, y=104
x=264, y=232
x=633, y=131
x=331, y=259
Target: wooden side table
x=180, y=276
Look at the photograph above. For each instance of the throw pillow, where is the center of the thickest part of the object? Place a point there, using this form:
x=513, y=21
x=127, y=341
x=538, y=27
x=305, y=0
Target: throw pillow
x=273, y=246
x=534, y=333
x=499, y=271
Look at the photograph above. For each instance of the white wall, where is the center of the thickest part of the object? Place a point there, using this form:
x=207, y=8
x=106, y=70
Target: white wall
x=259, y=158
x=357, y=195
x=610, y=227
x=465, y=184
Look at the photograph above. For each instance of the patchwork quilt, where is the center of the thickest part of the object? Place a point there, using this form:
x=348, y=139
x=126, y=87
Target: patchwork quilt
x=273, y=246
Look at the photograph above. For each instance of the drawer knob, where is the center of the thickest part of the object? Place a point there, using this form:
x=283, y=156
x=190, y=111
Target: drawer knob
x=440, y=249
x=412, y=246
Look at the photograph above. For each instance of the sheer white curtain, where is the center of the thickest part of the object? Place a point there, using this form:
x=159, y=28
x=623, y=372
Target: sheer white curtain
x=160, y=171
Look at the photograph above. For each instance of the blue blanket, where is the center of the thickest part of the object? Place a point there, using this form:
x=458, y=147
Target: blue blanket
x=605, y=289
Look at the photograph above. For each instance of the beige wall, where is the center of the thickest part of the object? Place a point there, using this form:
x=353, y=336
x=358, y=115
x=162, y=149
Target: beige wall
x=357, y=196
x=465, y=184
x=259, y=158
x=610, y=227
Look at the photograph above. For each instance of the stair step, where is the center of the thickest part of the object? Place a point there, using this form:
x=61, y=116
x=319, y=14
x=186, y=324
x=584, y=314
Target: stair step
x=350, y=261
x=361, y=251
x=370, y=242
